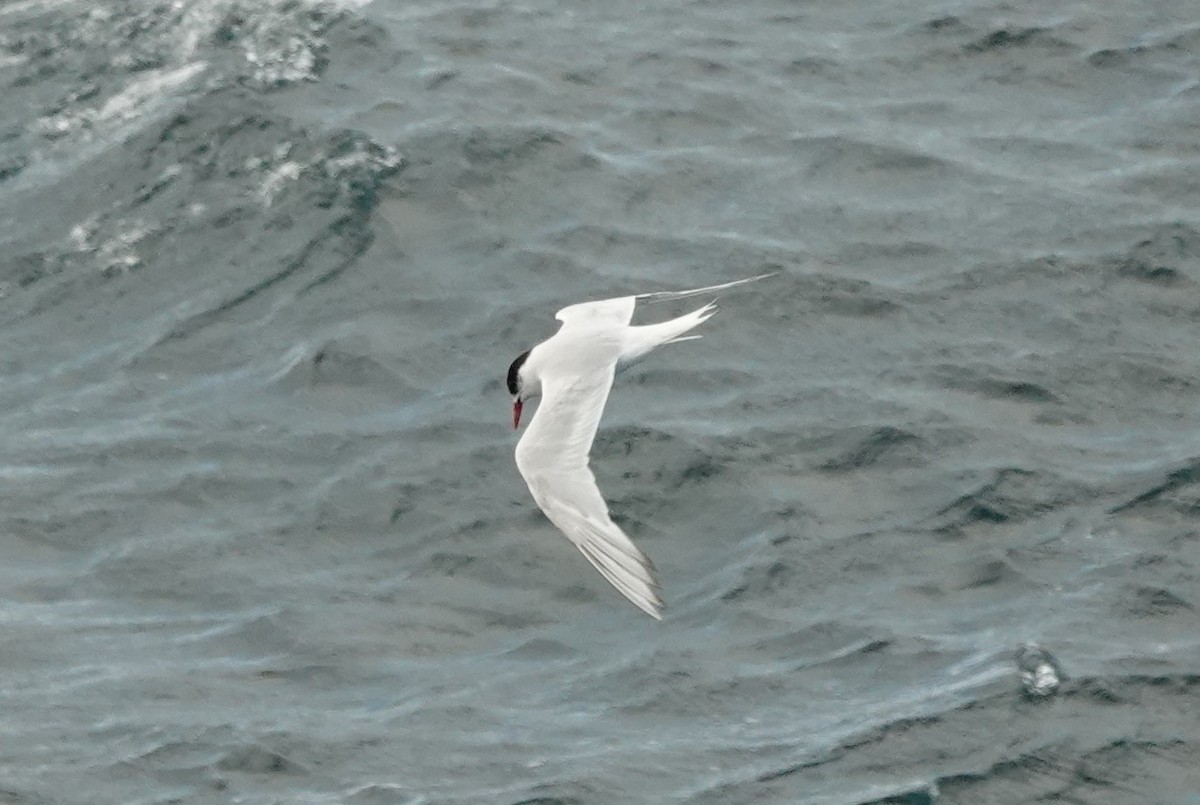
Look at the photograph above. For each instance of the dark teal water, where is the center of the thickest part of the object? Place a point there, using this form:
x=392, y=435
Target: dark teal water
x=263, y=266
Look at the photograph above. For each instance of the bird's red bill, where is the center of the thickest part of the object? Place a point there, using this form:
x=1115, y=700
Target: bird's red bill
x=516, y=414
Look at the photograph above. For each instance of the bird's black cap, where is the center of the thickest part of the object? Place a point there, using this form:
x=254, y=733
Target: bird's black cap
x=513, y=370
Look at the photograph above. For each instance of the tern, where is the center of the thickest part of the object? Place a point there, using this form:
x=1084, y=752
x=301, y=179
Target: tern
x=573, y=371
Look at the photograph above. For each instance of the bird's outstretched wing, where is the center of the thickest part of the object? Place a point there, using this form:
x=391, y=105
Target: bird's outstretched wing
x=605, y=314
x=553, y=459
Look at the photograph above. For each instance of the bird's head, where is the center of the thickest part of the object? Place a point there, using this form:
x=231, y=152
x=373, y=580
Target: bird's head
x=522, y=385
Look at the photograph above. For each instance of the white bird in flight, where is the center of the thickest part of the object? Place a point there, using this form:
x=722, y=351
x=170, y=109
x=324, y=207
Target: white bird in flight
x=573, y=371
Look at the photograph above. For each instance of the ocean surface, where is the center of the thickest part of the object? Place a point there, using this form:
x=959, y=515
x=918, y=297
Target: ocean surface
x=926, y=505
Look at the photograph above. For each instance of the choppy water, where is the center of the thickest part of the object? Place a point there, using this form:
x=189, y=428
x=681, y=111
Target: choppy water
x=264, y=264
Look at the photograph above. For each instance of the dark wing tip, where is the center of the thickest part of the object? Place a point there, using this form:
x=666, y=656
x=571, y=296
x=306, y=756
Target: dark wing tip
x=513, y=371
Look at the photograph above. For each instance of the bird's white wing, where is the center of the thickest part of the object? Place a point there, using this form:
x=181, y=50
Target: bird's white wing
x=606, y=314
x=553, y=459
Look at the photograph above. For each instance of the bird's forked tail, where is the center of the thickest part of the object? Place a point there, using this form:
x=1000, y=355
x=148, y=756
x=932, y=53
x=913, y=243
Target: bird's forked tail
x=640, y=340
